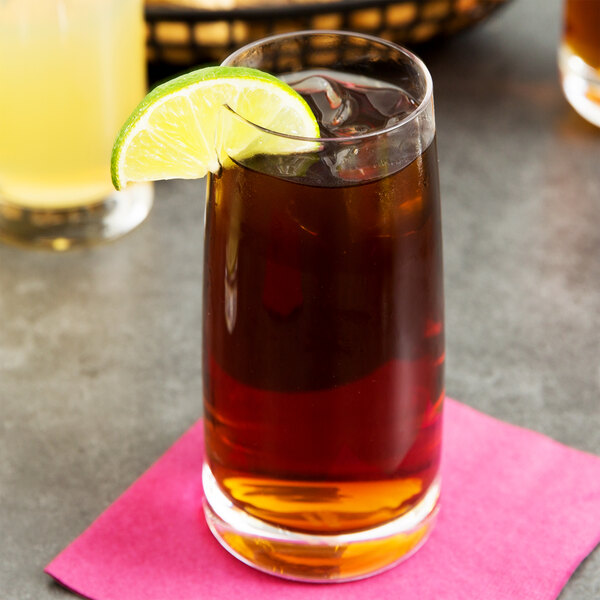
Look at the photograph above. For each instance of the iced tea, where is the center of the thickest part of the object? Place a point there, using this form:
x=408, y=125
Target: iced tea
x=324, y=336
x=582, y=30
x=579, y=57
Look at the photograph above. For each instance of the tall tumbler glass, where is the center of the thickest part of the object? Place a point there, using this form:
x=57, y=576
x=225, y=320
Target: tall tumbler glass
x=71, y=72
x=323, y=320
x=579, y=57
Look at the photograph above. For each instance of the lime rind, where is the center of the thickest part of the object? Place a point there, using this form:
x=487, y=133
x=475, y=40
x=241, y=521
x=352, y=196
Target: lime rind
x=178, y=130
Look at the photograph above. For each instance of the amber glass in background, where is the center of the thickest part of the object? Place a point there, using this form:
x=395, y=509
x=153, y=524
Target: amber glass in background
x=71, y=72
x=579, y=57
x=323, y=327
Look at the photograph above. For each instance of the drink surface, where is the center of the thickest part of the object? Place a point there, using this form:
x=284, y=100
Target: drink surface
x=76, y=74
x=582, y=30
x=323, y=333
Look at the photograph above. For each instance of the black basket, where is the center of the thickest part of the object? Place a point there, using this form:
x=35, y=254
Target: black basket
x=184, y=37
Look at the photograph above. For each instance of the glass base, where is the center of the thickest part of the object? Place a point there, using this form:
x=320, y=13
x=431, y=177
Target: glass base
x=580, y=84
x=62, y=229
x=311, y=557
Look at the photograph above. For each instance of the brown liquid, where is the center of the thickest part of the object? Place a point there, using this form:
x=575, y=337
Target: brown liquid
x=582, y=30
x=323, y=345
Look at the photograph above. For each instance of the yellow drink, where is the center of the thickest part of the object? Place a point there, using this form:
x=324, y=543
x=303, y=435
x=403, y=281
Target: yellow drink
x=71, y=71
x=70, y=74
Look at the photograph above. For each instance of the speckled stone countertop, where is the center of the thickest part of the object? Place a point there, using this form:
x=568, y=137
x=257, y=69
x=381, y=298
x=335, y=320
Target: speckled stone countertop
x=100, y=368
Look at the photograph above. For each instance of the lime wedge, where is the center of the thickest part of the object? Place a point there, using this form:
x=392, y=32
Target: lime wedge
x=183, y=129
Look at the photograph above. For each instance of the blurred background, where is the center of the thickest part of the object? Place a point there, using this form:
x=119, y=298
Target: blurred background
x=184, y=32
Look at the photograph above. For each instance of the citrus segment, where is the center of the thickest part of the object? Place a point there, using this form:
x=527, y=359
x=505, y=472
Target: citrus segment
x=182, y=129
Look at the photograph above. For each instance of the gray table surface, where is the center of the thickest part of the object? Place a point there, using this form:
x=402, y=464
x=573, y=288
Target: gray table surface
x=100, y=368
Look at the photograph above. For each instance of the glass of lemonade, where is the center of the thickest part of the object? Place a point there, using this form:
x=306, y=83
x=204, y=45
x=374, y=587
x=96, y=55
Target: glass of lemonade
x=72, y=71
x=323, y=320
x=579, y=57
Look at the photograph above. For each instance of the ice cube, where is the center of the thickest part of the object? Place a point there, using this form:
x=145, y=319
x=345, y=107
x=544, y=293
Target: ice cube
x=329, y=98
x=389, y=103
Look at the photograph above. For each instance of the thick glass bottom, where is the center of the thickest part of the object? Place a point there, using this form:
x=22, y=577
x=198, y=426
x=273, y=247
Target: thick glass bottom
x=313, y=557
x=65, y=228
x=581, y=85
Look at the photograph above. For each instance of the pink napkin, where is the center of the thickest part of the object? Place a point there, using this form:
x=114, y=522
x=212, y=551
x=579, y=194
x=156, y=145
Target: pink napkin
x=519, y=513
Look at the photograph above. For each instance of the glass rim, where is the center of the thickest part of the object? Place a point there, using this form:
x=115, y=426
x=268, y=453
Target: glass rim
x=420, y=108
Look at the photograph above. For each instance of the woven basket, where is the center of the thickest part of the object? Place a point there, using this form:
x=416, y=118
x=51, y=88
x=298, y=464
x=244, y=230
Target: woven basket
x=186, y=36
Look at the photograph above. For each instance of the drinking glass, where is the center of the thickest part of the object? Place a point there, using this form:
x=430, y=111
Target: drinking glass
x=71, y=73
x=579, y=57
x=323, y=339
